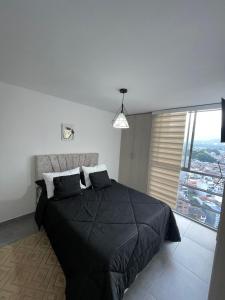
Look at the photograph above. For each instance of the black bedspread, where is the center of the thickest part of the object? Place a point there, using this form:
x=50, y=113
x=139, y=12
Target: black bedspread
x=103, y=239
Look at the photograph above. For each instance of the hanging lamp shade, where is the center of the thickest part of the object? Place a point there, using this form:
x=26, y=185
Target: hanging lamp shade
x=120, y=120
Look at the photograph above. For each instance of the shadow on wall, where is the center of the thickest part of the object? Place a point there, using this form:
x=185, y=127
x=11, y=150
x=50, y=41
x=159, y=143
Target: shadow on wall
x=18, y=207
x=26, y=204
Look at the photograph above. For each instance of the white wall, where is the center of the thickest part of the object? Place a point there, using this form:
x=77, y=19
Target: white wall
x=30, y=124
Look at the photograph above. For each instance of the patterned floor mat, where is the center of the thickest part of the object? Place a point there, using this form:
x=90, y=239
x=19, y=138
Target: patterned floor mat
x=29, y=270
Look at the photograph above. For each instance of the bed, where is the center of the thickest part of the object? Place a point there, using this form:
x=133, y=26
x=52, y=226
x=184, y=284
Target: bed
x=102, y=239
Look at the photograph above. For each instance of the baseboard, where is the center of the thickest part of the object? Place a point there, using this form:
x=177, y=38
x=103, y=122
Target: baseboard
x=16, y=218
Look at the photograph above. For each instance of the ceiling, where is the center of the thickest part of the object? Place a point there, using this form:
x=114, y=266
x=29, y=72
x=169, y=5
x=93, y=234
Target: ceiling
x=167, y=53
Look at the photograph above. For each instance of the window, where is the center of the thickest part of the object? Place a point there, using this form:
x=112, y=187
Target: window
x=187, y=163
x=200, y=188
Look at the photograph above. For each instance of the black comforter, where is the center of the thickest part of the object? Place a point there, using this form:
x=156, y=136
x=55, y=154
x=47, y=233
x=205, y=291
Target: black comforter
x=104, y=238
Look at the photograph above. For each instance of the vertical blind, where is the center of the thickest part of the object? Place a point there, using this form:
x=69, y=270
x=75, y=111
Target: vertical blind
x=167, y=140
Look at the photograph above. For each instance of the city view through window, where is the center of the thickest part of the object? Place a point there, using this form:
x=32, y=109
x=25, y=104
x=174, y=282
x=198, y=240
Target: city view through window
x=201, y=179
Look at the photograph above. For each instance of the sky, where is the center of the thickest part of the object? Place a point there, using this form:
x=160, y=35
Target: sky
x=208, y=125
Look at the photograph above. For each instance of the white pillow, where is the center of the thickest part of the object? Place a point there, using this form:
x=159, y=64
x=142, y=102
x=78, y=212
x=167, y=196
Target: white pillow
x=89, y=170
x=48, y=178
x=83, y=187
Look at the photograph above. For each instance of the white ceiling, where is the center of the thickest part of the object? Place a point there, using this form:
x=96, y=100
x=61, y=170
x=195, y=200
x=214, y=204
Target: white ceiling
x=168, y=53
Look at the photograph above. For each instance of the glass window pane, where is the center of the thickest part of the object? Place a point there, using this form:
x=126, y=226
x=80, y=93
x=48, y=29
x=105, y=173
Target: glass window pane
x=196, y=204
x=187, y=139
x=207, y=150
x=201, y=183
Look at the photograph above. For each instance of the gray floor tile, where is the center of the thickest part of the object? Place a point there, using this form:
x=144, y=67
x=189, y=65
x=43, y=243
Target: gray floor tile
x=201, y=235
x=168, y=248
x=182, y=223
x=141, y=288
x=138, y=293
x=154, y=269
x=177, y=283
x=194, y=257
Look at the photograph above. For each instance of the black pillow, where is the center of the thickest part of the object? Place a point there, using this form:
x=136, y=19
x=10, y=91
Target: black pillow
x=100, y=180
x=82, y=179
x=66, y=186
x=42, y=185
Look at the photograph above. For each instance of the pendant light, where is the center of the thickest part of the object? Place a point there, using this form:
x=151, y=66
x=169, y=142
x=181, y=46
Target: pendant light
x=120, y=120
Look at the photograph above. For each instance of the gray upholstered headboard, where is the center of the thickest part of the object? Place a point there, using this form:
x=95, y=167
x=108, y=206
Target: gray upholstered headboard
x=63, y=162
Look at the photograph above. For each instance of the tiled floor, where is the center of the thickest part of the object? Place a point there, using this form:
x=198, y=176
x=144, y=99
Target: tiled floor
x=180, y=271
